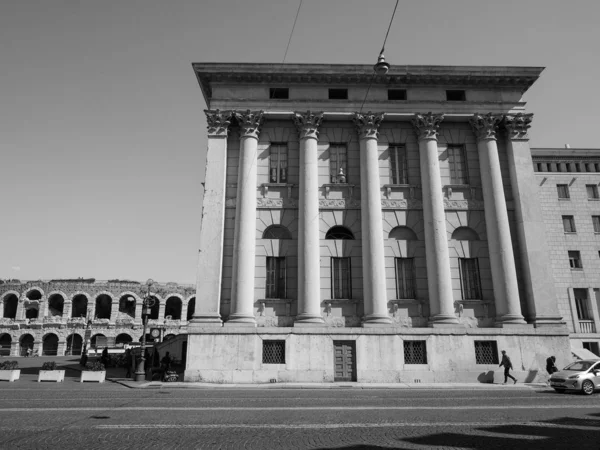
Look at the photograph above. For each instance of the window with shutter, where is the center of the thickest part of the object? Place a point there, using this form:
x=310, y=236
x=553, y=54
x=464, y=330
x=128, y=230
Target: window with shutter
x=278, y=163
x=458, y=164
x=469, y=277
x=276, y=277
x=405, y=278
x=340, y=278
x=398, y=170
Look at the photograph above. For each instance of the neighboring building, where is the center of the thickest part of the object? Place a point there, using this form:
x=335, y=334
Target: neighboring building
x=56, y=317
x=400, y=245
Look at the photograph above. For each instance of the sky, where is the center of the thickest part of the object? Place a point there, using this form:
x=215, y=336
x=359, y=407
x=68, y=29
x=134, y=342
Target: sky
x=102, y=130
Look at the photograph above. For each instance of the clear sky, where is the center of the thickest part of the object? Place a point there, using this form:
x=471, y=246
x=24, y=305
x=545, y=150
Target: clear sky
x=102, y=134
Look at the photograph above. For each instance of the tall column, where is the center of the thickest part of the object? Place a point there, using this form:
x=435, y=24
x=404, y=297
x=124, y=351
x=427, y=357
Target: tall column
x=244, y=243
x=210, y=255
x=541, y=304
x=439, y=281
x=502, y=260
x=309, y=262
x=374, y=281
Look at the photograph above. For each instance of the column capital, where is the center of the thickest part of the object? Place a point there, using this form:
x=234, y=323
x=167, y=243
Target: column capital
x=485, y=125
x=308, y=123
x=426, y=126
x=367, y=124
x=249, y=122
x=517, y=125
x=217, y=122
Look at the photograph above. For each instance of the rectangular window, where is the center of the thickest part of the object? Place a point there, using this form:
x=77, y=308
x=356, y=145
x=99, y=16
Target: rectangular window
x=568, y=224
x=458, y=165
x=338, y=163
x=279, y=93
x=340, y=278
x=396, y=94
x=563, y=191
x=405, y=278
x=575, y=259
x=273, y=352
x=398, y=164
x=582, y=304
x=596, y=223
x=415, y=352
x=456, y=95
x=275, y=277
x=592, y=347
x=278, y=163
x=338, y=94
x=592, y=191
x=486, y=352
x=469, y=278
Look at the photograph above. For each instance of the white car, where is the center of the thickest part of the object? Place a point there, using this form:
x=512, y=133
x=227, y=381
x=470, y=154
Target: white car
x=581, y=376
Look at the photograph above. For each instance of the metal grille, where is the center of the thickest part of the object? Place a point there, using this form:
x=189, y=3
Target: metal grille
x=486, y=352
x=273, y=352
x=415, y=352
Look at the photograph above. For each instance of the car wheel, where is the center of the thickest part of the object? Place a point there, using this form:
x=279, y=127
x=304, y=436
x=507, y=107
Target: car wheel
x=560, y=391
x=587, y=387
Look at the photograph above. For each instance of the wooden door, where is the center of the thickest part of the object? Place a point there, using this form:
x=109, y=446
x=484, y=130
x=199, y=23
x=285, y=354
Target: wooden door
x=344, y=354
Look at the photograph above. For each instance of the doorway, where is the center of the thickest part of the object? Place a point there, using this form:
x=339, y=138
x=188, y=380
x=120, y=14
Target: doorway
x=344, y=356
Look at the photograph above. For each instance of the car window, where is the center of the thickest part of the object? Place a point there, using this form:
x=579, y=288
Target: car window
x=579, y=366
x=597, y=366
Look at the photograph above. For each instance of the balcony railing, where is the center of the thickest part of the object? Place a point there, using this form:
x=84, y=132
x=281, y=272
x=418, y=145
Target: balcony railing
x=587, y=326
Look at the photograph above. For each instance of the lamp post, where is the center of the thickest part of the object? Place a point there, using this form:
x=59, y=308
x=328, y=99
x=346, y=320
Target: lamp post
x=140, y=373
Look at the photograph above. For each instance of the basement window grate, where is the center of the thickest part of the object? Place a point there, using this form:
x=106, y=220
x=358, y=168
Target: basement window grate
x=415, y=352
x=273, y=352
x=486, y=352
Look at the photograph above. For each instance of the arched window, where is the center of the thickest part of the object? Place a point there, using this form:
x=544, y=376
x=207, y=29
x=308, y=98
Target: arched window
x=403, y=234
x=5, y=344
x=74, y=344
x=155, y=308
x=10, y=306
x=277, y=232
x=34, y=294
x=123, y=339
x=56, y=304
x=173, y=308
x=80, y=304
x=465, y=234
x=339, y=232
x=98, y=341
x=191, y=308
x=26, y=343
x=103, y=306
x=50, y=345
x=127, y=305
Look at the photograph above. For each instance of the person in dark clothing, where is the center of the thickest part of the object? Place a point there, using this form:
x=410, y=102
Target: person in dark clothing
x=104, y=357
x=166, y=362
x=507, y=366
x=128, y=362
x=551, y=365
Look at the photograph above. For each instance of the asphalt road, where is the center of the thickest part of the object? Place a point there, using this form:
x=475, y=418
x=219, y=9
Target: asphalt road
x=71, y=415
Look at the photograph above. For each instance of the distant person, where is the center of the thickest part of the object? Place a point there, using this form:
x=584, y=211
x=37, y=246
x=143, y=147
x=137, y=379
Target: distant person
x=28, y=352
x=551, y=366
x=507, y=366
x=104, y=357
x=128, y=362
x=166, y=362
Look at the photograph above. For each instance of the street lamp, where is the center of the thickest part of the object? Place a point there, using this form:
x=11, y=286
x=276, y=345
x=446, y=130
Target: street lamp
x=148, y=302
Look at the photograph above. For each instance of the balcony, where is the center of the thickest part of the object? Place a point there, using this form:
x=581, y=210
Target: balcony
x=587, y=326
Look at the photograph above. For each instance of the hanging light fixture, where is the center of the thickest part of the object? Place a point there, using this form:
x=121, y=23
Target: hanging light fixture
x=382, y=67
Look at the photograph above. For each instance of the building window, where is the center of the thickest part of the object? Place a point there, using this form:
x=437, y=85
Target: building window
x=568, y=224
x=337, y=163
x=469, y=278
x=338, y=94
x=396, y=94
x=279, y=93
x=398, y=164
x=458, y=164
x=486, y=352
x=273, y=352
x=563, y=191
x=275, y=277
x=575, y=259
x=415, y=352
x=592, y=347
x=405, y=278
x=456, y=95
x=596, y=223
x=278, y=163
x=339, y=232
x=592, y=191
x=582, y=304
x=340, y=278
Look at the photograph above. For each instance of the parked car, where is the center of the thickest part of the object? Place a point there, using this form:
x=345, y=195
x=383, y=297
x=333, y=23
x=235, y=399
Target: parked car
x=581, y=376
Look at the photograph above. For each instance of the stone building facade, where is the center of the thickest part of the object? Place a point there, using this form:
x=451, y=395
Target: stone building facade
x=341, y=244
x=52, y=317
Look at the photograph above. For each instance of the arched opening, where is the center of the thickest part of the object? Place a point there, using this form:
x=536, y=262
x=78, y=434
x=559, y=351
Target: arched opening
x=277, y=232
x=339, y=232
x=127, y=306
x=5, y=343
x=32, y=312
x=10, y=306
x=465, y=234
x=56, y=305
x=154, y=309
x=103, y=306
x=74, y=344
x=173, y=308
x=80, y=303
x=149, y=338
x=168, y=336
x=34, y=294
x=402, y=234
x=98, y=341
x=26, y=342
x=123, y=339
x=191, y=308
x=50, y=345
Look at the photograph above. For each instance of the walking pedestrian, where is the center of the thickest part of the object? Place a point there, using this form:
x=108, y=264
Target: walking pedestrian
x=128, y=363
x=507, y=366
x=551, y=366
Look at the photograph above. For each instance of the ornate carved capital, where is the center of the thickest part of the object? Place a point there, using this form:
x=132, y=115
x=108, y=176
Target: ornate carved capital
x=517, y=125
x=307, y=124
x=217, y=122
x=485, y=125
x=426, y=126
x=249, y=122
x=367, y=124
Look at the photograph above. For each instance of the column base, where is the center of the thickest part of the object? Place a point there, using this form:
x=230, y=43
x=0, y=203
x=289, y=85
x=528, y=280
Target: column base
x=241, y=320
x=309, y=320
x=207, y=320
x=376, y=320
x=510, y=319
x=548, y=321
x=442, y=320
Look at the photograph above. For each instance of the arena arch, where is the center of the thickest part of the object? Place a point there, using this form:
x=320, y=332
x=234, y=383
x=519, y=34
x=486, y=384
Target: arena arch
x=154, y=311
x=191, y=308
x=98, y=341
x=5, y=344
x=127, y=305
x=103, y=306
x=79, y=305
x=11, y=301
x=50, y=345
x=173, y=307
x=123, y=338
x=74, y=344
x=34, y=294
x=25, y=342
x=56, y=304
